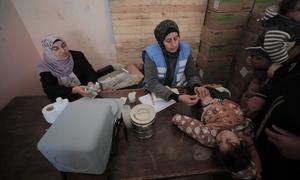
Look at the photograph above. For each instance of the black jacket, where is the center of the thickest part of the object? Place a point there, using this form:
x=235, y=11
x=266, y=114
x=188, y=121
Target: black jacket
x=283, y=23
x=82, y=69
x=282, y=96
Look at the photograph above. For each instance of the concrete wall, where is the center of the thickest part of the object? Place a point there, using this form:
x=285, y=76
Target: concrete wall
x=85, y=25
x=18, y=56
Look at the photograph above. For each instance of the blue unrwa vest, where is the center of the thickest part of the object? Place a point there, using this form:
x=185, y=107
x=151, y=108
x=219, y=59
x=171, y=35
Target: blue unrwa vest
x=156, y=55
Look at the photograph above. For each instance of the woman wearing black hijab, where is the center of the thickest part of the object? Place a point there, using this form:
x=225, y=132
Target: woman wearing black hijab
x=169, y=63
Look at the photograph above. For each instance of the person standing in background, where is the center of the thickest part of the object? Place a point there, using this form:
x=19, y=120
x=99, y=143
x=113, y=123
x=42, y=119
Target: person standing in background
x=277, y=123
x=276, y=45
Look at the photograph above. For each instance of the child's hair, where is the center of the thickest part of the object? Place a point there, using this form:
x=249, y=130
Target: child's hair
x=235, y=159
x=287, y=5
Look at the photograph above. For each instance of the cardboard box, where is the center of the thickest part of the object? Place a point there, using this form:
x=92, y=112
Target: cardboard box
x=241, y=56
x=220, y=37
x=222, y=82
x=217, y=51
x=254, y=25
x=230, y=5
x=213, y=77
x=260, y=5
x=218, y=64
x=214, y=70
x=226, y=20
x=249, y=38
x=241, y=73
x=136, y=73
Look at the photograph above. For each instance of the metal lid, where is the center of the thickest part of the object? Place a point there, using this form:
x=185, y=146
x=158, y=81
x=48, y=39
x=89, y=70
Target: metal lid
x=142, y=114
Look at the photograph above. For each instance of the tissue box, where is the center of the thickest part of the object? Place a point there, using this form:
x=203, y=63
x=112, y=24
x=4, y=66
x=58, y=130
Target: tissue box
x=80, y=139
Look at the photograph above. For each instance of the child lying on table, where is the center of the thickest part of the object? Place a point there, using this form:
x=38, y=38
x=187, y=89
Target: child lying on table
x=224, y=128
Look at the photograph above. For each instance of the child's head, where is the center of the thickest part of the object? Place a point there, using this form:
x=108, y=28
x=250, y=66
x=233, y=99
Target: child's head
x=232, y=151
x=291, y=9
x=258, y=57
x=257, y=61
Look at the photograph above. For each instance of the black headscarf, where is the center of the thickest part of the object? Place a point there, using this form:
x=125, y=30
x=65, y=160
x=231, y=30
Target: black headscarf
x=162, y=30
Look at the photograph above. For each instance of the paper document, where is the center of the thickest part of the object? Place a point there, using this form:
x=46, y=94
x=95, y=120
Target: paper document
x=156, y=102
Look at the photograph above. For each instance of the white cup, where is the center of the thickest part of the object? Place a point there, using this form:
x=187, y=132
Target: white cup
x=126, y=116
x=132, y=97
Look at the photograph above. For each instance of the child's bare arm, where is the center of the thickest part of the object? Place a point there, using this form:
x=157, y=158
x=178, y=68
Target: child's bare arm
x=196, y=129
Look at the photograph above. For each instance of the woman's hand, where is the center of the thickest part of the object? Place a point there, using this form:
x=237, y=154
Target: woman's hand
x=287, y=143
x=96, y=87
x=201, y=91
x=203, y=94
x=189, y=100
x=81, y=90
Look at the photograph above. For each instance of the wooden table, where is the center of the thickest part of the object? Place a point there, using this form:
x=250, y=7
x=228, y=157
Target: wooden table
x=168, y=154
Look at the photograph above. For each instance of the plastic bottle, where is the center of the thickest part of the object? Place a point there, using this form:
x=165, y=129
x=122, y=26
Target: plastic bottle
x=93, y=89
x=60, y=105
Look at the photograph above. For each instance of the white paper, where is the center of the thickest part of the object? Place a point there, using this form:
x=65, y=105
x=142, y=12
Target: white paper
x=216, y=4
x=156, y=102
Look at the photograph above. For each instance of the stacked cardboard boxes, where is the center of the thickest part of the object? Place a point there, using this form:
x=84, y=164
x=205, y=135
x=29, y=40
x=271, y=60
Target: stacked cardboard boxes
x=220, y=37
x=241, y=72
x=260, y=5
x=254, y=26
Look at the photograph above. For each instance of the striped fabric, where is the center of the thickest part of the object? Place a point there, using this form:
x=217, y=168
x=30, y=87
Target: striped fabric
x=275, y=44
x=270, y=12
